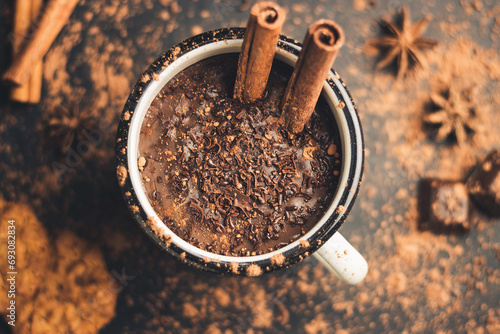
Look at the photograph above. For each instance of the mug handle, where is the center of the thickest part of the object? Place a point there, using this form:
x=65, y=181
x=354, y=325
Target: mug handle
x=342, y=259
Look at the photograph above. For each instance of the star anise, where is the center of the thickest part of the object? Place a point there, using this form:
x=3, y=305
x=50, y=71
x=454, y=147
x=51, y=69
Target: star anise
x=68, y=124
x=403, y=43
x=455, y=114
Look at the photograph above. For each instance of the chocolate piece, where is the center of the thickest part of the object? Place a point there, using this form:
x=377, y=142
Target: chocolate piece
x=444, y=206
x=224, y=175
x=484, y=184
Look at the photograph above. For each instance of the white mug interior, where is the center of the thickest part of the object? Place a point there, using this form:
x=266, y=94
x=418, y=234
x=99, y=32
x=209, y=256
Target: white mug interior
x=192, y=57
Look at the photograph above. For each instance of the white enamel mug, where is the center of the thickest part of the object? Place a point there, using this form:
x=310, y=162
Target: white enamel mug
x=323, y=240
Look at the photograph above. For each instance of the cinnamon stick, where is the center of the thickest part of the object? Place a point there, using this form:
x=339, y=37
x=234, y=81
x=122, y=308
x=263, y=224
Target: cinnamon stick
x=55, y=16
x=22, y=20
x=257, y=52
x=321, y=44
x=35, y=81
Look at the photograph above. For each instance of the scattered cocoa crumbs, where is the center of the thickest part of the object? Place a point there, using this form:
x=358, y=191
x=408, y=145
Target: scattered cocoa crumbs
x=196, y=30
x=361, y=5
x=253, y=270
x=80, y=287
x=32, y=250
x=222, y=297
x=141, y=162
x=262, y=314
x=165, y=238
x=278, y=259
x=318, y=326
x=284, y=315
x=235, y=267
x=189, y=311
x=304, y=243
x=332, y=149
x=60, y=287
x=307, y=153
x=204, y=14
x=121, y=172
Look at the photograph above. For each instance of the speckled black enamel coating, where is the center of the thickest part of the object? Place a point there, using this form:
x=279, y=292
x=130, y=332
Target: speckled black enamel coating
x=293, y=255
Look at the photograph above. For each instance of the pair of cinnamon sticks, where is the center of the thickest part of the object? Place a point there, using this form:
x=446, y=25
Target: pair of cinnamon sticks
x=323, y=40
x=29, y=47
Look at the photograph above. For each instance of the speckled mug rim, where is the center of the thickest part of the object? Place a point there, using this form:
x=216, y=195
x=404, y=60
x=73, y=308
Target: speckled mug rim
x=293, y=254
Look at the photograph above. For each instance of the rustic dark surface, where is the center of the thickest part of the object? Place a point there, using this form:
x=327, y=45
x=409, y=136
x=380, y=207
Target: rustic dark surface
x=417, y=282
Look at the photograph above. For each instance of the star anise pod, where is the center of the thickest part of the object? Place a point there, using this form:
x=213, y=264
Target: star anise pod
x=403, y=43
x=455, y=114
x=68, y=124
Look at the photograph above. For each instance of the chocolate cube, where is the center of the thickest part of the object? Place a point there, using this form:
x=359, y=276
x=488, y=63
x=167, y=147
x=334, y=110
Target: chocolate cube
x=484, y=184
x=444, y=206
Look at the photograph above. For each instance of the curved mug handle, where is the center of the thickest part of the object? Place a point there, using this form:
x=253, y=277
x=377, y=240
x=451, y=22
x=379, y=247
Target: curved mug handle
x=342, y=259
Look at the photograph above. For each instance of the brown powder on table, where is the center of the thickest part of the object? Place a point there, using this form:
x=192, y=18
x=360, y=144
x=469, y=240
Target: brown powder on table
x=222, y=297
x=32, y=250
x=262, y=314
x=278, y=259
x=60, y=288
x=88, y=66
x=107, y=61
x=78, y=294
x=425, y=259
x=254, y=270
x=189, y=311
x=495, y=187
x=411, y=139
x=422, y=270
x=361, y=5
x=307, y=287
x=318, y=326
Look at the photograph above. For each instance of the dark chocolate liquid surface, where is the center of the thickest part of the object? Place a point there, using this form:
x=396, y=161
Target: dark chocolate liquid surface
x=225, y=176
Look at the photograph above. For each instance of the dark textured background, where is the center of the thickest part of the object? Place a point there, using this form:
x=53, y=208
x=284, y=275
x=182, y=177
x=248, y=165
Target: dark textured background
x=89, y=202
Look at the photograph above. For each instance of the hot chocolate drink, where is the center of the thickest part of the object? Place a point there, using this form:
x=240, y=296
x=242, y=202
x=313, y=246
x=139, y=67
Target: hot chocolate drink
x=226, y=176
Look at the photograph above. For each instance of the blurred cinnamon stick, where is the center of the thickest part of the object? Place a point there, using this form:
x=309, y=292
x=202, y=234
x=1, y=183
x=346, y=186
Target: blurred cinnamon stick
x=22, y=21
x=323, y=40
x=35, y=80
x=257, y=53
x=53, y=19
